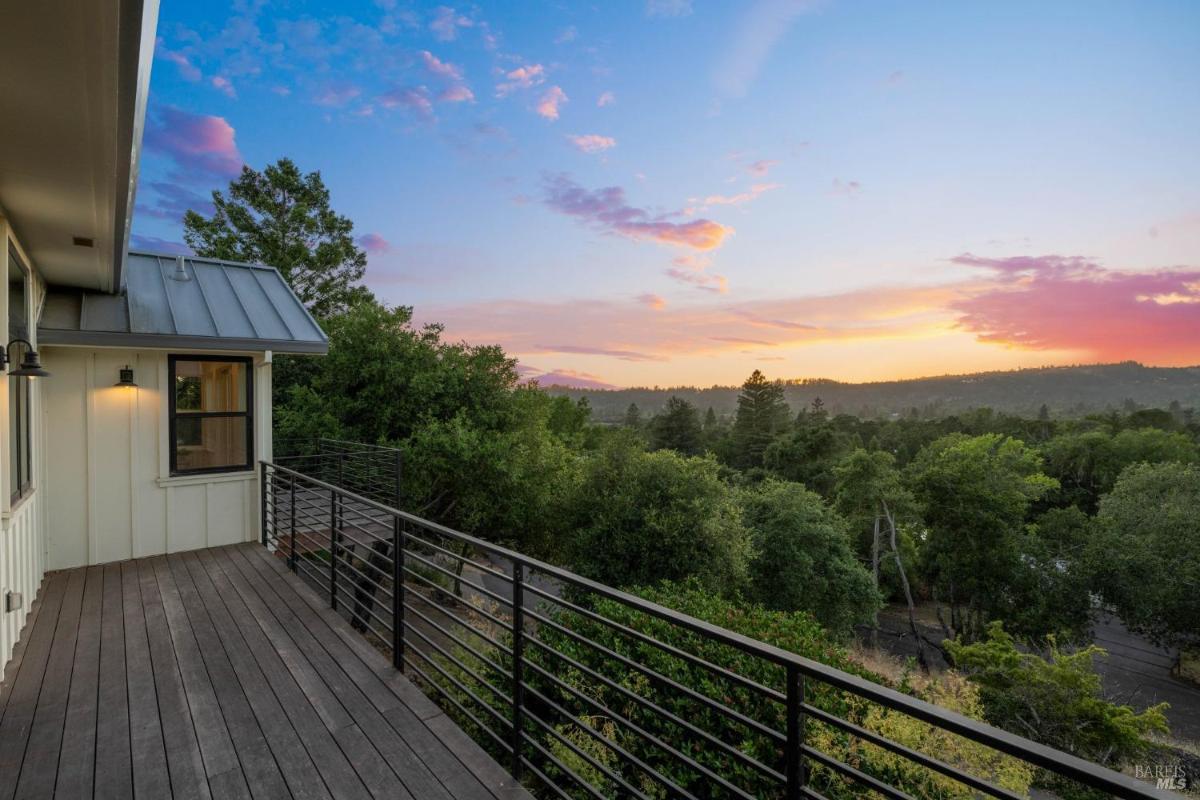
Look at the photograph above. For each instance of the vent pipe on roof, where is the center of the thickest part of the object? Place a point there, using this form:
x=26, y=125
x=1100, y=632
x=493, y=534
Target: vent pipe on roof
x=180, y=270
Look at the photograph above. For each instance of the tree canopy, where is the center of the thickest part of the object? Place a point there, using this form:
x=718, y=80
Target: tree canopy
x=283, y=217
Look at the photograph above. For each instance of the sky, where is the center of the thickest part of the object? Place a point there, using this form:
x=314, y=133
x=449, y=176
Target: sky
x=671, y=192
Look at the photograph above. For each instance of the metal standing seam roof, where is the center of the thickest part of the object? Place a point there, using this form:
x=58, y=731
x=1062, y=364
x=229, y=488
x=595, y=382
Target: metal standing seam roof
x=186, y=302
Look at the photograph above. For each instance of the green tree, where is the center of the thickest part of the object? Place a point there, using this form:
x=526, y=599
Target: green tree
x=870, y=496
x=1146, y=552
x=1055, y=699
x=804, y=560
x=282, y=217
x=677, y=427
x=808, y=454
x=1052, y=588
x=762, y=414
x=643, y=517
x=974, y=492
x=633, y=417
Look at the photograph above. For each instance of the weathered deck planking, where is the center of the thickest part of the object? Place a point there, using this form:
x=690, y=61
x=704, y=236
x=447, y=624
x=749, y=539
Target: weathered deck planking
x=217, y=674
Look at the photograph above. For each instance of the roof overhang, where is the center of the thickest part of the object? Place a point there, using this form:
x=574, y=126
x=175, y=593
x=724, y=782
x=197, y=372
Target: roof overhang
x=74, y=75
x=186, y=304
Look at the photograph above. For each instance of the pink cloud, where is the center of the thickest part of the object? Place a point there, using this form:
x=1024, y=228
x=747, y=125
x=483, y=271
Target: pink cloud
x=654, y=301
x=551, y=99
x=760, y=168
x=605, y=99
x=415, y=99
x=374, y=244
x=606, y=209
x=456, y=94
x=154, y=244
x=592, y=142
x=441, y=69
x=525, y=77
x=222, y=85
x=197, y=143
x=738, y=199
x=446, y=22
x=1070, y=303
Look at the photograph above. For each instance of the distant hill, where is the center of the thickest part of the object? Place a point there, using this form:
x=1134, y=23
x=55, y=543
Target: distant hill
x=1066, y=391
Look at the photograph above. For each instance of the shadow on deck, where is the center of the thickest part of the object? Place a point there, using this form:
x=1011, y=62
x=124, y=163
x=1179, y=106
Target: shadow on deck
x=217, y=673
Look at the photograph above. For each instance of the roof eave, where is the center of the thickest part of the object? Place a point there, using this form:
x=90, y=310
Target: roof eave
x=155, y=341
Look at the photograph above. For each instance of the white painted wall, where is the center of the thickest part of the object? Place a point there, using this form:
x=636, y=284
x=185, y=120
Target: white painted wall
x=22, y=542
x=107, y=463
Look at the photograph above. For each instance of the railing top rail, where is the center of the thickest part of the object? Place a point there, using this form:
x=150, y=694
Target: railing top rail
x=1065, y=764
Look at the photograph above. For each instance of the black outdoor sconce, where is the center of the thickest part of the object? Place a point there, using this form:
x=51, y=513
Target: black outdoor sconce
x=126, y=378
x=31, y=364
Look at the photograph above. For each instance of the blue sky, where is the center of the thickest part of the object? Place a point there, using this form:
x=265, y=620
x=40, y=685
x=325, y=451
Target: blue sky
x=679, y=192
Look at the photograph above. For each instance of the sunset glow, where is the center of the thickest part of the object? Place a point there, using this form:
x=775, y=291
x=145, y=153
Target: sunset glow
x=663, y=194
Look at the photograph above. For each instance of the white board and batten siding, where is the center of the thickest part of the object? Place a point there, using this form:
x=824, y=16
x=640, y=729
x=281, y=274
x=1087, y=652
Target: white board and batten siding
x=22, y=551
x=108, y=463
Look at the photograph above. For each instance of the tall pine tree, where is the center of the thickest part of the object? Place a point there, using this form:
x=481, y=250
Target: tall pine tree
x=282, y=217
x=762, y=414
x=678, y=428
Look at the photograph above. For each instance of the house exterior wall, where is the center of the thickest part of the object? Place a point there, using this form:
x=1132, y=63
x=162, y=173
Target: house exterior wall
x=107, y=463
x=22, y=534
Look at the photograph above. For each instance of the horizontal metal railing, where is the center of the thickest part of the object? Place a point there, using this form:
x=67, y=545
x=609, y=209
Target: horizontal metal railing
x=372, y=471
x=588, y=691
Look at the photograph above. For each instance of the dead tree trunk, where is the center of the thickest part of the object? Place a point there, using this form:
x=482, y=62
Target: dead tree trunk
x=912, y=608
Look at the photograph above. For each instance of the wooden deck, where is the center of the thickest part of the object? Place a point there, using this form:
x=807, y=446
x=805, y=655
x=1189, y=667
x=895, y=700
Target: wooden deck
x=217, y=674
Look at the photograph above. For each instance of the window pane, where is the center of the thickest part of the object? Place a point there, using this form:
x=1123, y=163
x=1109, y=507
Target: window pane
x=14, y=436
x=210, y=442
x=210, y=386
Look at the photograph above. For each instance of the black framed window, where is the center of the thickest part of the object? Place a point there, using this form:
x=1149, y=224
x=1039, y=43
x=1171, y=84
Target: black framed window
x=211, y=414
x=20, y=451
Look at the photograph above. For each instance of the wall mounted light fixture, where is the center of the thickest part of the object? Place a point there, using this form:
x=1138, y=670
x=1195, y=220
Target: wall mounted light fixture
x=126, y=378
x=31, y=363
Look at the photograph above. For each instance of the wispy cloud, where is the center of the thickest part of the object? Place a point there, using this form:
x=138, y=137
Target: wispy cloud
x=567, y=34
x=606, y=209
x=446, y=23
x=605, y=99
x=704, y=281
x=551, y=99
x=224, y=86
x=187, y=70
x=438, y=68
x=586, y=350
x=741, y=198
x=414, y=98
x=761, y=28
x=591, y=142
x=336, y=94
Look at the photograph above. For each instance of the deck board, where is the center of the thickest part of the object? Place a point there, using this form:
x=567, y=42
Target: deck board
x=216, y=674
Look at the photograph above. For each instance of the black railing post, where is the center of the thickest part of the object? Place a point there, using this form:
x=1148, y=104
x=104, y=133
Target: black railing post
x=333, y=544
x=518, y=667
x=292, y=544
x=398, y=593
x=794, y=757
x=262, y=483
